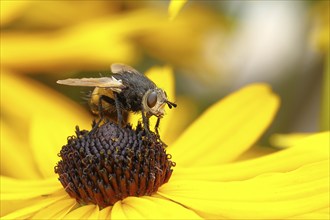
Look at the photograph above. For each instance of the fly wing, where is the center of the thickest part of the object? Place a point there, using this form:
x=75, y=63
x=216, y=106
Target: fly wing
x=119, y=68
x=103, y=82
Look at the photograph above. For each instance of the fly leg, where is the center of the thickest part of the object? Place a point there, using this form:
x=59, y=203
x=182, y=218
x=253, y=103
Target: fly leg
x=100, y=111
x=157, y=133
x=118, y=109
x=114, y=102
x=145, y=120
x=157, y=126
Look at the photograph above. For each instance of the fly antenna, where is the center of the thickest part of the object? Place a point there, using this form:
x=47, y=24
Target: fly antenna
x=170, y=104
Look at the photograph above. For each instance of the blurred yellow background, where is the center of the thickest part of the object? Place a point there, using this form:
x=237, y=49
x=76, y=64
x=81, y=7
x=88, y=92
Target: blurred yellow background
x=214, y=47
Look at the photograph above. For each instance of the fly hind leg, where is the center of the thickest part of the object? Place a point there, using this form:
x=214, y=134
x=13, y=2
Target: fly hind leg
x=118, y=109
x=101, y=110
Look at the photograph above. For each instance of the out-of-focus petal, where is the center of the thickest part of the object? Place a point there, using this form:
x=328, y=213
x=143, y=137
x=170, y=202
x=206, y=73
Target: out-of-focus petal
x=43, y=117
x=256, y=151
x=286, y=140
x=36, y=14
x=175, y=7
x=187, y=44
x=309, y=150
x=268, y=196
x=228, y=128
x=320, y=34
x=47, y=140
x=10, y=10
x=89, y=45
x=26, y=99
x=16, y=157
x=181, y=117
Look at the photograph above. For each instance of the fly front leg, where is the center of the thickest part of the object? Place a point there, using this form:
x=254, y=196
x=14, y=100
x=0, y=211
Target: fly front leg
x=157, y=126
x=145, y=120
x=157, y=133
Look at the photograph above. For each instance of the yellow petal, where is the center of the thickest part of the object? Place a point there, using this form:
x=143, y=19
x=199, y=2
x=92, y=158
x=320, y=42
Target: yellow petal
x=105, y=213
x=286, y=140
x=57, y=210
x=17, y=194
x=64, y=14
x=16, y=157
x=83, y=212
x=320, y=33
x=89, y=45
x=175, y=7
x=311, y=149
x=29, y=104
x=319, y=214
x=163, y=77
x=47, y=140
x=122, y=210
x=269, y=196
x=119, y=211
x=13, y=189
x=179, y=119
x=11, y=10
x=94, y=214
x=47, y=119
x=147, y=207
x=256, y=151
x=228, y=128
x=29, y=210
x=178, y=211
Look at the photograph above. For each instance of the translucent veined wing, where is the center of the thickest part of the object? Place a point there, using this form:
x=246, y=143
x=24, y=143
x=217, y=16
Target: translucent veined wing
x=103, y=82
x=119, y=68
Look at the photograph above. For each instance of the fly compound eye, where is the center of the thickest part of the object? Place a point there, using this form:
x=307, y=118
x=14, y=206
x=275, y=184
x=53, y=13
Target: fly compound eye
x=152, y=99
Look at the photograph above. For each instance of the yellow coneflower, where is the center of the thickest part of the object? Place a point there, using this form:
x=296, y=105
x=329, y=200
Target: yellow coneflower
x=207, y=181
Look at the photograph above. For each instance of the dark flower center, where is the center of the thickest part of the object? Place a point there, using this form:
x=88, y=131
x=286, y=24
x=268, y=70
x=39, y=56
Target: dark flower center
x=112, y=163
